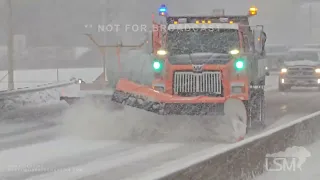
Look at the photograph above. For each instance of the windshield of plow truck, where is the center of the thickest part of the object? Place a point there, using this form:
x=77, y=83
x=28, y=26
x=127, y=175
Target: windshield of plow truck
x=188, y=41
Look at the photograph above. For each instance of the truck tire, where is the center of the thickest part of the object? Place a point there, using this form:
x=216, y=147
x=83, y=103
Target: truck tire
x=256, y=108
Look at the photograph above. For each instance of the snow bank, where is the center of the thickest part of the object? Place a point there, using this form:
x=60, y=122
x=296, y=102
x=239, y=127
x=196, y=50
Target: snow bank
x=33, y=78
x=37, y=98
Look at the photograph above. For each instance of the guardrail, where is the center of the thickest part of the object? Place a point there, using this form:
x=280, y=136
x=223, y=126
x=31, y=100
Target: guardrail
x=243, y=160
x=20, y=91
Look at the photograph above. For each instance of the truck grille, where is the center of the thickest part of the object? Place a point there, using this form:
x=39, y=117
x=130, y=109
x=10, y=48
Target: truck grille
x=300, y=71
x=205, y=83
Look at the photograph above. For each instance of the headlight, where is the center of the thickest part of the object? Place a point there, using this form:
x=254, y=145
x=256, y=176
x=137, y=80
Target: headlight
x=284, y=70
x=234, y=52
x=162, y=52
x=317, y=70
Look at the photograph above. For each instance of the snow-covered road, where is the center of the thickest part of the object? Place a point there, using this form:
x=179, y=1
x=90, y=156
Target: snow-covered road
x=33, y=144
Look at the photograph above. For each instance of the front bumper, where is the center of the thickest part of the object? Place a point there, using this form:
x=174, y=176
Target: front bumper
x=300, y=82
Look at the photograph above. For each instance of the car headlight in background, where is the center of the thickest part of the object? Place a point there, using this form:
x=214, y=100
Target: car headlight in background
x=317, y=70
x=284, y=70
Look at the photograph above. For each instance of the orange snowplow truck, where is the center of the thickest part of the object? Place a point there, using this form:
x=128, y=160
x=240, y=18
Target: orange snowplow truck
x=200, y=63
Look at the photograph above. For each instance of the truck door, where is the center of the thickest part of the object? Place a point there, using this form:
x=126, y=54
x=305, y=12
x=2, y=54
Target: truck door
x=259, y=64
x=260, y=55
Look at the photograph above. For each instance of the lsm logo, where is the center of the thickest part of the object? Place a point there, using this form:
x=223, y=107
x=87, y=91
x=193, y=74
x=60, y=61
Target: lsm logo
x=291, y=159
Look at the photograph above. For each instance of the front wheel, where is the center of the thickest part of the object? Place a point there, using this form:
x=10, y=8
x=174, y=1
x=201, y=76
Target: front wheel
x=256, y=109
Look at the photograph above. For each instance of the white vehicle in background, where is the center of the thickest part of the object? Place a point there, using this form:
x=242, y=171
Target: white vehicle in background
x=301, y=68
x=275, y=54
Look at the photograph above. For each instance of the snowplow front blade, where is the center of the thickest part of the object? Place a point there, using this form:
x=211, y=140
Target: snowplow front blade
x=164, y=108
x=144, y=97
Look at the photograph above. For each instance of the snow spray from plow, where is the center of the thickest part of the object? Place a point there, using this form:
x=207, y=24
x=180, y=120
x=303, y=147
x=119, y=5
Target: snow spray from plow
x=113, y=121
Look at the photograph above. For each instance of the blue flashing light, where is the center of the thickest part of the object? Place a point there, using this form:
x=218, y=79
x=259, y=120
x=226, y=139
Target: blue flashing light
x=163, y=9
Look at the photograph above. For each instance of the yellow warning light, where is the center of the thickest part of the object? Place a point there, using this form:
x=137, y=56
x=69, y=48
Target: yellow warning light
x=231, y=22
x=203, y=21
x=253, y=11
x=197, y=22
x=209, y=21
x=175, y=22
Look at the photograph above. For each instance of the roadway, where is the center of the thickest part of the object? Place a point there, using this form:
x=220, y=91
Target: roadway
x=34, y=143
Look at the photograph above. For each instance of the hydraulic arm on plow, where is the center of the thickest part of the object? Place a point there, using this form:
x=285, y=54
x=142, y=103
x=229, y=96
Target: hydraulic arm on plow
x=200, y=63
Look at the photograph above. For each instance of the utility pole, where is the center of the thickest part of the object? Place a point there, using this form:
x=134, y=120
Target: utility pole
x=104, y=38
x=10, y=48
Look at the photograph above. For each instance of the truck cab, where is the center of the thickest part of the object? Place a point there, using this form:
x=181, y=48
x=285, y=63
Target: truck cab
x=217, y=45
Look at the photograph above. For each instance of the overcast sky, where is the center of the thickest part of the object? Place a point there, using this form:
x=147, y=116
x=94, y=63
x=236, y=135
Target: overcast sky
x=50, y=22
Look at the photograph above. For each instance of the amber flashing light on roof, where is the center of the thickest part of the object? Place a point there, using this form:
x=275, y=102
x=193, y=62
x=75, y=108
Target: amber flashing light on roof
x=197, y=22
x=253, y=10
x=203, y=21
x=231, y=22
x=175, y=22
